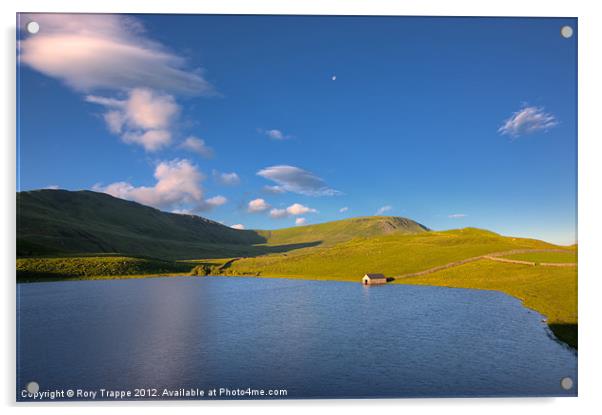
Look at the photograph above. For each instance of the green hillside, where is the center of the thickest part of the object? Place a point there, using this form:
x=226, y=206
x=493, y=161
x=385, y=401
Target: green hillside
x=344, y=230
x=393, y=255
x=54, y=222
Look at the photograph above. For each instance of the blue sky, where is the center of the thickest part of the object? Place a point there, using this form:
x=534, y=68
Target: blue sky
x=277, y=121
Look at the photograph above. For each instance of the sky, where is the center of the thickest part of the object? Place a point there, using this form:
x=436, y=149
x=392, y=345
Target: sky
x=265, y=122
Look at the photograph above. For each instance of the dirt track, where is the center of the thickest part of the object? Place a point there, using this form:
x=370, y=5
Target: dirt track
x=494, y=256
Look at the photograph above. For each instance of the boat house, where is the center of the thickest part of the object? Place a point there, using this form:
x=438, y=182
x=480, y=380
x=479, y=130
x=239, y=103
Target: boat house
x=374, y=279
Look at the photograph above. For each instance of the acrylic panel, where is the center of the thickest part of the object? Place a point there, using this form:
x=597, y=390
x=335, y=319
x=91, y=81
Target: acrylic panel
x=295, y=207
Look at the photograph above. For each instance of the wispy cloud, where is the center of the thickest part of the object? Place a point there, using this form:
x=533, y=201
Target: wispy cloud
x=52, y=187
x=457, y=216
x=527, y=121
x=178, y=187
x=274, y=189
x=383, y=209
x=228, y=179
x=239, y=226
x=198, y=146
x=300, y=221
x=343, y=209
x=295, y=209
x=258, y=205
x=103, y=51
x=274, y=134
x=296, y=180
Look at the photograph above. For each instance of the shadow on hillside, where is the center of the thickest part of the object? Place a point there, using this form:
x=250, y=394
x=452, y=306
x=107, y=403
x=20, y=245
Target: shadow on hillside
x=277, y=249
x=249, y=251
x=182, y=252
x=227, y=264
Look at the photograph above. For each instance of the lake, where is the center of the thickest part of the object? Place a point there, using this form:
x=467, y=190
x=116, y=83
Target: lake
x=316, y=339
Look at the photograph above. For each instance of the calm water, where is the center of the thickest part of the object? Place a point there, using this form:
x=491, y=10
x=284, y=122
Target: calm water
x=313, y=338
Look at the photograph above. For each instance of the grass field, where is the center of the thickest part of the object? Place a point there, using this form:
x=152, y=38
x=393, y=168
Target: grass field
x=546, y=257
x=49, y=269
x=550, y=291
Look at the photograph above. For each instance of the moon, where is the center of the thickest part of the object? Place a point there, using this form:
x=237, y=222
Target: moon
x=334, y=77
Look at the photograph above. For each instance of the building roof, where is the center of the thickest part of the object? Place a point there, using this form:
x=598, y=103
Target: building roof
x=376, y=276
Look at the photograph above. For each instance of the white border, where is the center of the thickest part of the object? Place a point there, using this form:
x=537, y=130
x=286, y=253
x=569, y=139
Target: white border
x=590, y=206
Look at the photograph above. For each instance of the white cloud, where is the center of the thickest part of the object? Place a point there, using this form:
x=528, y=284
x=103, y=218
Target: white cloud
x=229, y=179
x=275, y=134
x=52, y=187
x=300, y=221
x=238, y=226
x=278, y=213
x=295, y=209
x=383, y=209
x=343, y=209
x=457, y=216
x=178, y=187
x=258, y=205
x=151, y=140
x=296, y=180
x=198, y=146
x=182, y=211
x=215, y=201
x=103, y=51
x=527, y=121
x=144, y=117
x=299, y=209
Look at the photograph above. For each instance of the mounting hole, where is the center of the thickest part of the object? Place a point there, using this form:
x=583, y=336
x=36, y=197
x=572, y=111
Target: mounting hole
x=566, y=32
x=566, y=383
x=33, y=387
x=33, y=27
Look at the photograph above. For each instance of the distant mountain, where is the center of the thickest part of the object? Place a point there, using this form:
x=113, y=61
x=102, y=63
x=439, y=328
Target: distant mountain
x=344, y=230
x=60, y=222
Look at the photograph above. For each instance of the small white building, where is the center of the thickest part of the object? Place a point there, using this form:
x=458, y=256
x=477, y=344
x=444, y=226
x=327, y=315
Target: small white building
x=374, y=279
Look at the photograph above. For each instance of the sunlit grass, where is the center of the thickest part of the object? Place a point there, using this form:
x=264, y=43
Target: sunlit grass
x=392, y=255
x=548, y=257
x=40, y=269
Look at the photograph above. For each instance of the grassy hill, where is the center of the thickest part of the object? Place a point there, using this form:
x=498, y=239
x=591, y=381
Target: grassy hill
x=54, y=222
x=393, y=254
x=331, y=233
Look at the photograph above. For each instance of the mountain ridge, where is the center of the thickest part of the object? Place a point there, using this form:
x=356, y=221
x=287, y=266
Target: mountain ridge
x=55, y=221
